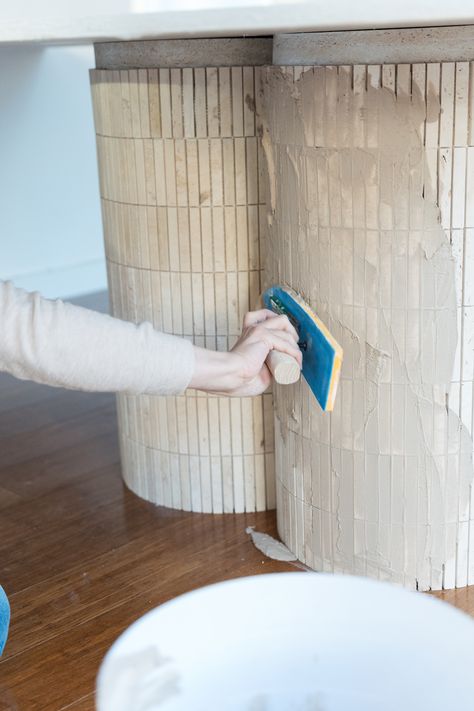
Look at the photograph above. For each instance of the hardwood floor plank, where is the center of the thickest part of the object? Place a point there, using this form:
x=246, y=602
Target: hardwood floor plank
x=7, y=498
x=55, y=510
x=83, y=593
x=17, y=393
x=37, y=476
x=63, y=669
x=19, y=448
x=37, y=552
x=87, y=703
x=64, y=406
x=462, y=598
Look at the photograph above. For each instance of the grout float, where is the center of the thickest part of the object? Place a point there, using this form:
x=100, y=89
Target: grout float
x=382, y=486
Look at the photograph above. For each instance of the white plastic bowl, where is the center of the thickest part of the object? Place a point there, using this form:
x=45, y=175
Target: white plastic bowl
x=293, y=642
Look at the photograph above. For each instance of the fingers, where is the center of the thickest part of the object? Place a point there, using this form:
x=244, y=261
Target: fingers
x=272, y=320
x=283, y=342
x=282, y=323
x=251, y=318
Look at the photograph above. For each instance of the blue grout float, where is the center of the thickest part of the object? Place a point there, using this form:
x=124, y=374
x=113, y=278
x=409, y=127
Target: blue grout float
x=322, y=354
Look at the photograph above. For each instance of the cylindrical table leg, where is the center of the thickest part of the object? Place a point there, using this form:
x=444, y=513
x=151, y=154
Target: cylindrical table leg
x=371, y=170
x=182, y=204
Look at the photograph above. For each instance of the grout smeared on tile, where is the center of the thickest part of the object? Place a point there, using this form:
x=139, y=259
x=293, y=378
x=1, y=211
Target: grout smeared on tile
x=356, y=158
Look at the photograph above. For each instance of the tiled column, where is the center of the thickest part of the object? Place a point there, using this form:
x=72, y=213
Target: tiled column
x=371, y=173
x=183, y=208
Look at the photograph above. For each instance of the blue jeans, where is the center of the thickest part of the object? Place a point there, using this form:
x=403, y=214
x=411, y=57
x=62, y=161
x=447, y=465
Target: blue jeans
x=4, y=618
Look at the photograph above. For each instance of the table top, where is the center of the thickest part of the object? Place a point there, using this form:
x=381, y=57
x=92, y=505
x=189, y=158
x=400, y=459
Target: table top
x=50, y=21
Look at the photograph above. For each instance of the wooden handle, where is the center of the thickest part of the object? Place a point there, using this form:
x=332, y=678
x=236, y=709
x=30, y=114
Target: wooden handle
x=283, y=367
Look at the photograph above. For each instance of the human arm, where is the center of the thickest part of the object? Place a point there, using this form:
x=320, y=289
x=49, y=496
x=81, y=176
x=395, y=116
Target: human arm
x=64, y=345
x=60, y=344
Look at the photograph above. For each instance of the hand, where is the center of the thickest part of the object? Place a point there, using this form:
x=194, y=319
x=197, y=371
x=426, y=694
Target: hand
x=242, y=371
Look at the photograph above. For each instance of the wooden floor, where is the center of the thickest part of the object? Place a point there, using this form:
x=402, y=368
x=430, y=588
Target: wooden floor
x=81, y=557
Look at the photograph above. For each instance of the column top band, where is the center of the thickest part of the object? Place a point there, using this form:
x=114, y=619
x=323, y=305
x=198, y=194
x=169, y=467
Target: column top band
x=216, y=52
x=403, y=46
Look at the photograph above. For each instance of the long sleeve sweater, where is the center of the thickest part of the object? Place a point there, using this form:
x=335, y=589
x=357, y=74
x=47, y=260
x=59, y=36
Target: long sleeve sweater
x=60, y=344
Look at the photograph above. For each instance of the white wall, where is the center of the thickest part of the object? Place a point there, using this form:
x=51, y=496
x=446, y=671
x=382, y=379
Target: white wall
x=50, y=223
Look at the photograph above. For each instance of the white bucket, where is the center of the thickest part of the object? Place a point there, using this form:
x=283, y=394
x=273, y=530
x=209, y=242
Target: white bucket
x=293, y=642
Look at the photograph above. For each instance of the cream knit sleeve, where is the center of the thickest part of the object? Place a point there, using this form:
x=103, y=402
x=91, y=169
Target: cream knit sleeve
x=60, y=344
